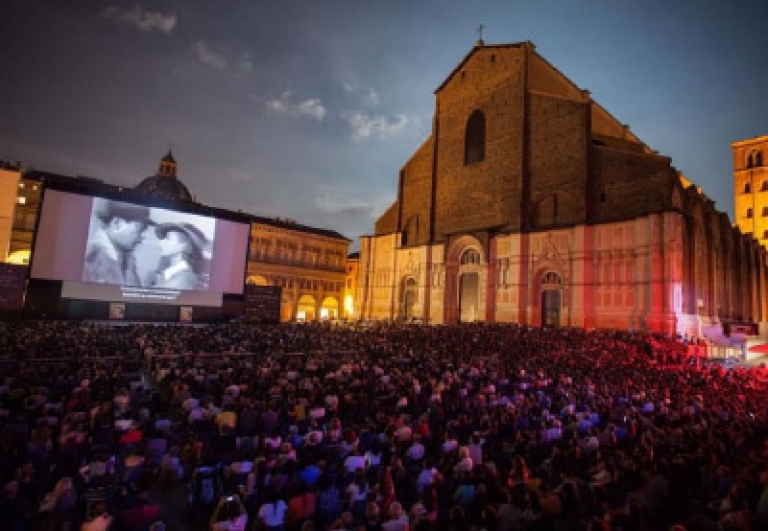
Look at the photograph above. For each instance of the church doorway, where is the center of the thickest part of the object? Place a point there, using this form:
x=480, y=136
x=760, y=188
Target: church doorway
x=551, y=296
x=409, y=298
x=550, y=308
x=468, y=297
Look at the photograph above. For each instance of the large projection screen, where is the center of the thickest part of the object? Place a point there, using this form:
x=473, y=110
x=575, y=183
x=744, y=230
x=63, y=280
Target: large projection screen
x=108, y=250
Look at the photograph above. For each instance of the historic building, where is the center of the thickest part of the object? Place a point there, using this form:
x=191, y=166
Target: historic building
x=750, y=186
x=306, y=262
x=530, y=203
x=350, y=288
x=20, y=194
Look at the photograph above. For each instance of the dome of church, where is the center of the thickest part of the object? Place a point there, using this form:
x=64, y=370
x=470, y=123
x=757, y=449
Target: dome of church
x=165, y=184
x=165, y=188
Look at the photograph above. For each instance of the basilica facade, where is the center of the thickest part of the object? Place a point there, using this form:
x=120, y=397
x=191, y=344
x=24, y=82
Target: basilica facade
x=530, y=203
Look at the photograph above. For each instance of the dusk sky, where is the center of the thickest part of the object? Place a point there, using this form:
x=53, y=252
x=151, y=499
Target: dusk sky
x=308, y=109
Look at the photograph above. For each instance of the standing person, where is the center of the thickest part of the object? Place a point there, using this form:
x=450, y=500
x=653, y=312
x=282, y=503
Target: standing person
x=109, y=255
x=183, y=260
x=328, y=502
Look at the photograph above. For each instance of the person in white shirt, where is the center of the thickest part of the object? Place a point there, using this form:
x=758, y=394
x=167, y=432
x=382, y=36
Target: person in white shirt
x=450, y=444
x=475, y=449
x=417, y=450
x=354, y=462
x=426, y=477
x=272, y=513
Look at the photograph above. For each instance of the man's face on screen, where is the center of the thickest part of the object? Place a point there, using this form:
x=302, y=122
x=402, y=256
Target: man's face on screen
x=126, y=234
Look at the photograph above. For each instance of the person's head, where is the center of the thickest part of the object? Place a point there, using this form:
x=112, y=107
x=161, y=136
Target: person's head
x=99, y=509
x=346, y=520
x=395, y=510
x=124, y=223
x=182, y=240
x=232, y=510
x=372, y=512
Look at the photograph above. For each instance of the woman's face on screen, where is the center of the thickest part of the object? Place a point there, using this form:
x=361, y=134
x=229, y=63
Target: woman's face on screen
x=173, y=243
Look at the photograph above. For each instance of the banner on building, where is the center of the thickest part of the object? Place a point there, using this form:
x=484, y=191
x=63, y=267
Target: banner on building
x=13, y=282
x=186, y=314
x=117, y=310
x=262, y=303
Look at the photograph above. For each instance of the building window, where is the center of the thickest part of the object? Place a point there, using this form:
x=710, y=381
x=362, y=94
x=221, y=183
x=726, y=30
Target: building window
x=749, y=213
x=765, y=211
x=21, y=200
x=764, y=186
x=754, y=159
x=765, y=234
x=747, y=188
x=470, y=256
x=551, y=278
x=474, y=141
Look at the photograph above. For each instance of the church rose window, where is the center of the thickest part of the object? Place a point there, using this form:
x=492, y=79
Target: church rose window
x=474, y=141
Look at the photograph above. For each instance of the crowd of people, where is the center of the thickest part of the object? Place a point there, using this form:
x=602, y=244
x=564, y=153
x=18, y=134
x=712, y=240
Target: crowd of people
x=381, y=427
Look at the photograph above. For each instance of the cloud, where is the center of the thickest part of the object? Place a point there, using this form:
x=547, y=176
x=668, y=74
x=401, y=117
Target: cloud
x=364, y=126
x=207, y=56
x=140, y=19
x=328, y=204
x=244, y=64
x=368, y=97
x=371, y=98
x=310, y=108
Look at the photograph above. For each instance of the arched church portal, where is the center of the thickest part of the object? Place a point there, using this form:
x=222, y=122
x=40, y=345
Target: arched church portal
x=409, y=297
x=469, y=286
x=551, y=299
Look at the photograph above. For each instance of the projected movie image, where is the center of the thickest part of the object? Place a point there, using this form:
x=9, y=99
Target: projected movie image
x=139, y=246
x=117, y=251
